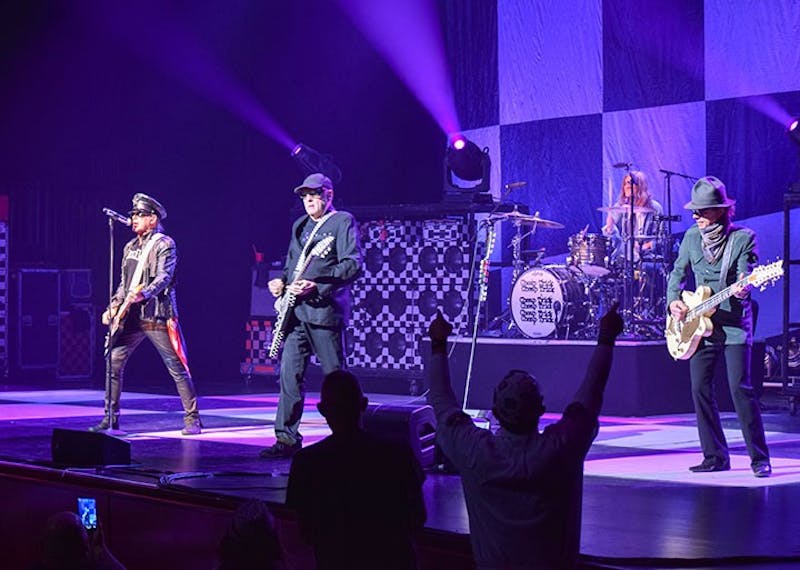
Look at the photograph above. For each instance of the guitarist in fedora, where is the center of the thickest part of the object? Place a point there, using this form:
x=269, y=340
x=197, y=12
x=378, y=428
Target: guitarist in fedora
x=316, y=321
x=145, y=305
x=718, y=254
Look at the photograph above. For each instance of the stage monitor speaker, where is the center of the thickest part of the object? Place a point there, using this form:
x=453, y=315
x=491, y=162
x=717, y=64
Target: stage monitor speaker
x=404, y=422
x=87, y=449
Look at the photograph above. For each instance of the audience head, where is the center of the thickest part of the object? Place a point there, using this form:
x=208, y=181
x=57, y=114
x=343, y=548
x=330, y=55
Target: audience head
x=518, y=403
x=65, y=543
x=341, y=400
x=251, y=540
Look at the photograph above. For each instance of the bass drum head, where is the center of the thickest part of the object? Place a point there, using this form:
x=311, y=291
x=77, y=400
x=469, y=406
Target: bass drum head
x=537, y=300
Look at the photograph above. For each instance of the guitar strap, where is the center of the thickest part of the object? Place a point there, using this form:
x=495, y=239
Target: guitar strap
x=301, y=260
x=726, y=261
x=137, y=273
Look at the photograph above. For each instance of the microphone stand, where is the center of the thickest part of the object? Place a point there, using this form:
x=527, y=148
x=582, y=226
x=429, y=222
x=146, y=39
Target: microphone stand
x=108, y=412
x=629, y=273
x=670, y=218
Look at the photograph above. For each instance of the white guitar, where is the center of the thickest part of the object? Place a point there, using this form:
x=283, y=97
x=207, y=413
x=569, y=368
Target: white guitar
x=684, y=336
x=285, y=303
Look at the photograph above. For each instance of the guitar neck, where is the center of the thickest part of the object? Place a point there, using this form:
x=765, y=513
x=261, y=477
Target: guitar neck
x=714, y=300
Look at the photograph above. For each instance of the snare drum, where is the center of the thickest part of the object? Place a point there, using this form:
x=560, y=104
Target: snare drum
x=549, y=299
x=591, y=253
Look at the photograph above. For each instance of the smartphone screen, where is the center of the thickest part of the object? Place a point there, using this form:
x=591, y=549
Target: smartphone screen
x=87, y=510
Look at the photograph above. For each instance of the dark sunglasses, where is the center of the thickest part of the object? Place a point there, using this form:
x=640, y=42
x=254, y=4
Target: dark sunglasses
x=702, y=212
x=140, y=213
x=312, y=192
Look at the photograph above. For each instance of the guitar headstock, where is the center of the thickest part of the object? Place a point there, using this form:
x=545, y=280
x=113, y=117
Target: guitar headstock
x=323, y=247
x=764, y=275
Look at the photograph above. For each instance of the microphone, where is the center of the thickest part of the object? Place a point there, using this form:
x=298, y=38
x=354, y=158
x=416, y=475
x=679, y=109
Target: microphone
x=117, y=217
x=512, y=185
x=623, y=165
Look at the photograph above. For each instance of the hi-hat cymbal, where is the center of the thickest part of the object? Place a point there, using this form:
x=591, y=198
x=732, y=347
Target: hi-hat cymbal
x=526, y=220
x=625, y=209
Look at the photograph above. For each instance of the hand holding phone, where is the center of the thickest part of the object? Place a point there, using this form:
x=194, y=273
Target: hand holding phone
x=87, y=510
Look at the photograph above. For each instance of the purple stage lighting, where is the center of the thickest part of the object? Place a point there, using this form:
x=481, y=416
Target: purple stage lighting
x=159, y=36
x=296, y=150
x=459, y=143
x=409, y=36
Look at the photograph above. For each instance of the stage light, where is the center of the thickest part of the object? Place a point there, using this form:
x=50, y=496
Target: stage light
x=312, y=161
x=794, y=131
x=467, y=168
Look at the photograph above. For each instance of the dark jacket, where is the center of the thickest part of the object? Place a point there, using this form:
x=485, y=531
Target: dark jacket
x=332, y=273
x=733, y=318
x=158, y=276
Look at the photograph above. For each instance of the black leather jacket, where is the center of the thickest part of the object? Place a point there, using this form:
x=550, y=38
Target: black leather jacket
x=158, y=276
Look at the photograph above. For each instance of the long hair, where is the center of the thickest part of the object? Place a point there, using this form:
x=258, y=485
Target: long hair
x=641, y=195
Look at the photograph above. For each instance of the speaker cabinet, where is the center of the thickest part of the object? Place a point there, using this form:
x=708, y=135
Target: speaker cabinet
x=86, y=449
x=415, y=425
x=37, y=340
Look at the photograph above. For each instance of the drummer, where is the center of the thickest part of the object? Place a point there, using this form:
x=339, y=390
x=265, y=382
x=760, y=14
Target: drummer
x=617, y=225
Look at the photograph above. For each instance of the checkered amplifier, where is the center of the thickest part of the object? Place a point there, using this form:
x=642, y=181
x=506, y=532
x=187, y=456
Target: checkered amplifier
x=257, y=342
x=3, y=297
x=411, y=269
x=76, y=342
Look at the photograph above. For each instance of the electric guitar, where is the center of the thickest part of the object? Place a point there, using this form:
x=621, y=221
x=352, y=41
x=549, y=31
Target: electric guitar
x=118, y=320
x=285, y=303
x=684, y=336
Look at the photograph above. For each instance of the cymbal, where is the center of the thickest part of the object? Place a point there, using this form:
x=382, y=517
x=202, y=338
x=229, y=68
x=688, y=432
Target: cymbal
x=624, y=209
x=644, y=238
x=526, y=220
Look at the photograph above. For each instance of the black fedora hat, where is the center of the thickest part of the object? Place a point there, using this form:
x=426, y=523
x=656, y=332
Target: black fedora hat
x=709, y=192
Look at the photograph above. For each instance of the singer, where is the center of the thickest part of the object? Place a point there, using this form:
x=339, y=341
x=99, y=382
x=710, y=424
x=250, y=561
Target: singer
x=145, y=305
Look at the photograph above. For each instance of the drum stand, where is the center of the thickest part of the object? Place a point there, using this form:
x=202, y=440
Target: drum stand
x=505, y=321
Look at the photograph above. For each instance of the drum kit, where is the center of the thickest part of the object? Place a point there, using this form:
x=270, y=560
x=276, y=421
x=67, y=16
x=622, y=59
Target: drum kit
x=566, y=301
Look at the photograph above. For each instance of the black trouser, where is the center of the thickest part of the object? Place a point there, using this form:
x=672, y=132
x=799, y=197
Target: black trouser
x=303, y=340
x=712, y=438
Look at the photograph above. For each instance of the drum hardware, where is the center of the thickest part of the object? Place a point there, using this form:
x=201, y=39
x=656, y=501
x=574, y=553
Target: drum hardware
x=518, y=261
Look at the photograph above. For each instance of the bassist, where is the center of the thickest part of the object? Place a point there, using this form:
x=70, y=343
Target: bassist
x=718, y=253
x=316, y=322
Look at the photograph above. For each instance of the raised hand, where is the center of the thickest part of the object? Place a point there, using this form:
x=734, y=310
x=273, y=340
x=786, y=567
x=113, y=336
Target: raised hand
x=611, y=324
x=439, y=329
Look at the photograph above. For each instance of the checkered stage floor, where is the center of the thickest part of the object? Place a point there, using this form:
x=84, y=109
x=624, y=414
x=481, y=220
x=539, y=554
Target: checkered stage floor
x=638, y=449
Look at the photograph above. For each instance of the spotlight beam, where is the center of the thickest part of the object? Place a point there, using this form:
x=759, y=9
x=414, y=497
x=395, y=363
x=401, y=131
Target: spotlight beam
x=157, y=36
x=408, y=35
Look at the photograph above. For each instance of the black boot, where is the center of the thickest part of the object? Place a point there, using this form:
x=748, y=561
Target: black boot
x=107, y=423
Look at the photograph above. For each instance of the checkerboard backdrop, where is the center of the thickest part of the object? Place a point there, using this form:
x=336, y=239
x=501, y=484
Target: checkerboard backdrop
x=560, y=91
x=411, y=269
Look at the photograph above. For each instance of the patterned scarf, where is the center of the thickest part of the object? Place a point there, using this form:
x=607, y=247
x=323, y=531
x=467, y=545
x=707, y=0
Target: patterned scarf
x=714, y=237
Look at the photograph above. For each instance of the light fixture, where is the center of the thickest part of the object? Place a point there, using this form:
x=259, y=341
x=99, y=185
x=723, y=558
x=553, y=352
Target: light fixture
x=312, y=161
x=794, y=130
x=466, y=169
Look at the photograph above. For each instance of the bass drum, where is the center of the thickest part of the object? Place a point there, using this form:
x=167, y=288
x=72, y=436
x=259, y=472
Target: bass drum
x=549, y=300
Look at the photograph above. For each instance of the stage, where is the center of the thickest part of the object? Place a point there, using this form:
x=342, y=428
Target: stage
x=642, y=508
